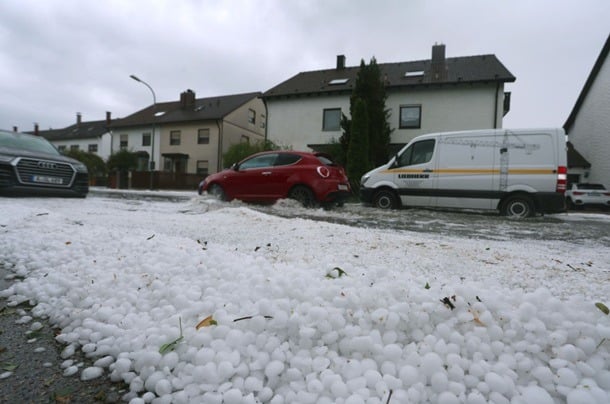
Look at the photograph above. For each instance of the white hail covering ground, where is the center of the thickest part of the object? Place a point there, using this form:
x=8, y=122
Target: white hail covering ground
x=120, y=277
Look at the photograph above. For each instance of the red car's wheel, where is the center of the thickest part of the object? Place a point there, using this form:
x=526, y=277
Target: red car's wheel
x=303, y=195
x=217, y=192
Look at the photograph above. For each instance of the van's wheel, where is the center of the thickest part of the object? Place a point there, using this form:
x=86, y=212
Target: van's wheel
x=303, y=195
x=217, y=192
x=518, y=207
x=385, y=199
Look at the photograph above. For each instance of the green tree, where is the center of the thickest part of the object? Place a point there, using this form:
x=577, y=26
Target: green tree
x=123, y=160
x=370, y=87
x=95, y=164
x=358, y=160
x=238, y=151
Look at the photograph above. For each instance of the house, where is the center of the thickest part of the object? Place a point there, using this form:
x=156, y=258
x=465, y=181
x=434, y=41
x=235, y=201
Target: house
x=190, y=135
x=588, y=125
x=423, y=96
x=91, y=136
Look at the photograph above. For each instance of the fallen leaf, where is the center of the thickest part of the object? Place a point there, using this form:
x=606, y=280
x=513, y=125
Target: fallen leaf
x=475, y=317
x=602, y=307
x=340, y=273
x=170, y=345
x=206, y=322
x=9, y=367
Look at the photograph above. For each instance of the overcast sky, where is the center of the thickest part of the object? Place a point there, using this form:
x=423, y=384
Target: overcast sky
x=60, y=57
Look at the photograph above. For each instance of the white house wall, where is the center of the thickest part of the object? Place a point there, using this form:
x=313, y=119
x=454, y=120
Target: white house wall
x=134, y=141
x=297, y=122
x=447, y=109
x=103, y=144
x=590, y=133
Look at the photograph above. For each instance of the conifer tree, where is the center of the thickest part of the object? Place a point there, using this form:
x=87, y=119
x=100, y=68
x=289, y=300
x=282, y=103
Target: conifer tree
x=370, y=87
x=358, y=161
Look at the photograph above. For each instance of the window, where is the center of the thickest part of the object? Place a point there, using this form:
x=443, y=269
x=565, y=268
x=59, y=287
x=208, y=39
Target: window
x=92, y=148
x=203, y=136
x=418, y=153
x=251, y=116
x=410, y=117
x=174, y=138
x=61, y=148
x=266, y=160
x=74, y=147
x=338, y=81
x=203, y=167
x=146, y=139
x=287, y=159
x=123, y=143
x=332, y=119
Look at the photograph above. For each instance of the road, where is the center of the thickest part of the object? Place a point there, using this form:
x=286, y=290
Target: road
x=574, y=227
x=579, y=227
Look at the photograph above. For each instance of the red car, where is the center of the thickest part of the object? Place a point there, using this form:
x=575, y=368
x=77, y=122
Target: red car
x=310, y=178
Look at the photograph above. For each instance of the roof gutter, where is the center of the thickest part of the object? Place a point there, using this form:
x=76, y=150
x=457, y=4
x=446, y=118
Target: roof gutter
x=219, y=154
x=496, y=106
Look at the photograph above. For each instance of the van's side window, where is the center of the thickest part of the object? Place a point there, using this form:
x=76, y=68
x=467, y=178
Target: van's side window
x=417, y=153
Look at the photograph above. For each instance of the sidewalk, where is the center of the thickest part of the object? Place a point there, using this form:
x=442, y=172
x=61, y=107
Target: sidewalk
x=30, y=362
x=143, y=194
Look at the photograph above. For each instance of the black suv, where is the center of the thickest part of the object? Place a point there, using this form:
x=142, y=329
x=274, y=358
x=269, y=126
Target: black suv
x=31, y=165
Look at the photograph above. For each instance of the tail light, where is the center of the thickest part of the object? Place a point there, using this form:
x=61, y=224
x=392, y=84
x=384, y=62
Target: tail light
x=562, y=179
x=324, y=172
x=578, y=193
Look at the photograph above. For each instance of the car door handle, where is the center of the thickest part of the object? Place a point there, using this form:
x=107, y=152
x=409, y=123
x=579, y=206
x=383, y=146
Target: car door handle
x=266, y=173
x=427, y=170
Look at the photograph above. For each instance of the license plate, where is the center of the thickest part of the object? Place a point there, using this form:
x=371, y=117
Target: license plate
x=342, y=187
x=593, y=194
x=47, y=180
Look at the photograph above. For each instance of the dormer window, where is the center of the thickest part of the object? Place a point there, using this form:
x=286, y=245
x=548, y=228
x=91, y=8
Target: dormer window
x=337, y=82
x=415, y=73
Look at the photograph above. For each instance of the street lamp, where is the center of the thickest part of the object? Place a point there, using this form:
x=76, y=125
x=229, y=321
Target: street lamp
x=152, y=140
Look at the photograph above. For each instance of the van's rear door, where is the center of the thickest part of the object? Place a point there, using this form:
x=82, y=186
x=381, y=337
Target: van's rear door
x=466, y=174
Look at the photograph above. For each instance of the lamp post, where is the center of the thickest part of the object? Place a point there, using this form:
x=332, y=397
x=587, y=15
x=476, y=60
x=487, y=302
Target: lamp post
x=151, y=166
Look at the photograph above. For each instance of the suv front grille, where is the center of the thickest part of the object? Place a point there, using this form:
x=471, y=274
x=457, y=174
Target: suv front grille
x=44, y=172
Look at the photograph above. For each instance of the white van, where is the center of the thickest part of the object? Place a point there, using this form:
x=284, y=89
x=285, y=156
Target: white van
x=517, y=172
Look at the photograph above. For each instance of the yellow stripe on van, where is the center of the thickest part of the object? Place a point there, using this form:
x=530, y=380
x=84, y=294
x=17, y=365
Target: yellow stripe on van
x=472, y=171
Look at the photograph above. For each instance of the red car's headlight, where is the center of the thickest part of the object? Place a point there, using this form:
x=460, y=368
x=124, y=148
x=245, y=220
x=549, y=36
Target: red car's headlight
x=323, y=171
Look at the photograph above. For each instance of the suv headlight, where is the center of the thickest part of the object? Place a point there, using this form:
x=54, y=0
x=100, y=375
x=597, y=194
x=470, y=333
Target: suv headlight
x=80, y=167
x=364, y=179
x=6, y=158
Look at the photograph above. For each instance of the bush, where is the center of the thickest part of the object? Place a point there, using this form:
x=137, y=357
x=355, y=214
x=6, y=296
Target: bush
x=238, y=151
x=95, y=164
x=123, y=160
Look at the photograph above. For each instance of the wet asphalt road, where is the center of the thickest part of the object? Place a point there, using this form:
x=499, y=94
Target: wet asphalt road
x=578, y=227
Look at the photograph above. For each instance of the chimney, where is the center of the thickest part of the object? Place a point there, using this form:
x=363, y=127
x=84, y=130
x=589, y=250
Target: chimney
x=78, y=118
x=108, y=118
x=15, y=129
x=439, y=67
x=187, y=99
x=340, y=62
x=36, y=129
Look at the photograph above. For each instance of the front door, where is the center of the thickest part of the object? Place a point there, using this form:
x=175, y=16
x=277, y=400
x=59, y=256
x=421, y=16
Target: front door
x=413, y=173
